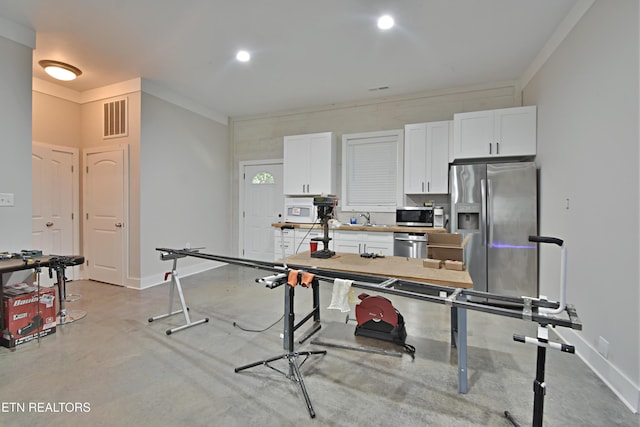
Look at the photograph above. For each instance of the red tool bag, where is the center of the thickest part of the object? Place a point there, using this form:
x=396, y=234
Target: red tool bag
x=378, y=318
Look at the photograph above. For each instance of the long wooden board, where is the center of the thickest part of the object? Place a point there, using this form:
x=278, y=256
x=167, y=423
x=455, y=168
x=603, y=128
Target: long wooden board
x=391, y=266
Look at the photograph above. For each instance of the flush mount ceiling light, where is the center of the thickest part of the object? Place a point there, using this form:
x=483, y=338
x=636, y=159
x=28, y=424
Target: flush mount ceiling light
x=243, y=56
x=385, y=22
x=59, y=70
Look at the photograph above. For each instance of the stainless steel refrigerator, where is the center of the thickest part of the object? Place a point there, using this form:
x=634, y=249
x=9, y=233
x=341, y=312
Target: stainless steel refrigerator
x=496, y=205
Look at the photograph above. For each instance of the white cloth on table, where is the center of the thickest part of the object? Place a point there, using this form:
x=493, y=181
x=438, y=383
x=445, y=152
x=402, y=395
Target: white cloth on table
x=340, y=295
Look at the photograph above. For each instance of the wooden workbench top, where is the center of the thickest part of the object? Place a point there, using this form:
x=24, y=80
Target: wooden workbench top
x=378, y=228
x=391, y=266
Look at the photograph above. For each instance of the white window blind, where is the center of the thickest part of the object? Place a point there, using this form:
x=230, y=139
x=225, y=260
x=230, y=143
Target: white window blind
x=371, y=171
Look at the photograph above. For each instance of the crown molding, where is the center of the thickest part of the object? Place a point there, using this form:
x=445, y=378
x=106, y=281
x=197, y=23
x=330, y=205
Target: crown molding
x=165, y=94
x=17, y=33
x=58, y=91
x=128, y=86
x=566, y=26
x=109, y=91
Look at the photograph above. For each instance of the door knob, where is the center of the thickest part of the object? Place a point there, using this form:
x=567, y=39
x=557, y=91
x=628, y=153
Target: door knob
x=119, y=224
x=49, y=224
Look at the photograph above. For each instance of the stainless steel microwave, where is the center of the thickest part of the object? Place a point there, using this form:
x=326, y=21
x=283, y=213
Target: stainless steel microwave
x=415, y=216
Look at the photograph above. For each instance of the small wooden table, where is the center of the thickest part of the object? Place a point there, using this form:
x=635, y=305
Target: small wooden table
x=390, y=266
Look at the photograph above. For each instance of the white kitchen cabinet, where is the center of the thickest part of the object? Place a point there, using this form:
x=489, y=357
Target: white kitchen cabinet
x=426, y=157
x=304, y=236
x=360, y=242
x=285, y=239
x=310, y=164
x=379, y=243
x=349, y=241
x=506, y=132
x=297, y=241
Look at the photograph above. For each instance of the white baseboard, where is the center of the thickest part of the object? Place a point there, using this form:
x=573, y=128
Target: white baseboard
x=618, y=382
x=158, y=279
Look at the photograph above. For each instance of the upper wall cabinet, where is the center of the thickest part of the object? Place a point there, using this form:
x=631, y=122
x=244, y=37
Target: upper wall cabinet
x=426, y=157
x=507, y=132
x=310, y=164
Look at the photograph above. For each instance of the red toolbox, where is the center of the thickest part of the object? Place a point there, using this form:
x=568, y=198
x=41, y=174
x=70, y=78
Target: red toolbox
x=26, y=314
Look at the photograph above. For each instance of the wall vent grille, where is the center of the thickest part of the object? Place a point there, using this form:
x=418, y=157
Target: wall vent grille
x=115, y=119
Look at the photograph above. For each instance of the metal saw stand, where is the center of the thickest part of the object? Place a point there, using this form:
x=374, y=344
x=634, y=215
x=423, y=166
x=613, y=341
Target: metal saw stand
x=175, y=284
x=542, y=338
x=292, y=356
x=539, y=385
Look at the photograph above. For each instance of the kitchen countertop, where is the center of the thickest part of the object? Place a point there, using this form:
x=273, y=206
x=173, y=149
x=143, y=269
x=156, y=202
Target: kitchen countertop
x=390, y=266
x=377, y=228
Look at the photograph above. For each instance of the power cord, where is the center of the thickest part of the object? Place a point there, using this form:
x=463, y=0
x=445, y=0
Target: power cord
x=305, y=236
x=235, y=325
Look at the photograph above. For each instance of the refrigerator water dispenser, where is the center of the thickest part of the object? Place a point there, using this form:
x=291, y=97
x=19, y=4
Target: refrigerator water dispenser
x=468, y=221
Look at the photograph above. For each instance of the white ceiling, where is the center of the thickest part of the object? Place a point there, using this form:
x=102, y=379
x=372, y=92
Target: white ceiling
x=305, y=52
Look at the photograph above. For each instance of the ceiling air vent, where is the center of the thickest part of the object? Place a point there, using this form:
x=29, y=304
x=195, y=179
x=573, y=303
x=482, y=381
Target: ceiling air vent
x=115, y=119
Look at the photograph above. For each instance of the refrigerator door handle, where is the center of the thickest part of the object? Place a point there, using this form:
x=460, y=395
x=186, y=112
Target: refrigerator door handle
x=483, y=214
x=490, y=211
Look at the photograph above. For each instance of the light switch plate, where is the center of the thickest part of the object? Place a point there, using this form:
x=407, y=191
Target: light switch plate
x=6, y=199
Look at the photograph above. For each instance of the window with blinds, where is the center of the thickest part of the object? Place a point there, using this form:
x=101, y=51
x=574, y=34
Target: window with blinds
x=372, y=171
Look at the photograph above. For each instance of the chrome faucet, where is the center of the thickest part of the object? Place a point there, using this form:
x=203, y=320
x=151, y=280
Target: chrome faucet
x=367, y=217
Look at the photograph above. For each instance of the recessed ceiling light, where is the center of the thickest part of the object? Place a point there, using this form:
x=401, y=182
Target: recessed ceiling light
x=59, y=70
x=243, y=56
x=385, y=22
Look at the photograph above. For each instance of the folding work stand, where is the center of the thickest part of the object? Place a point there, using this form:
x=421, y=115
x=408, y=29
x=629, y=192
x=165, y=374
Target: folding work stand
x=542, y=338
x=539, y=386
x=290, y=327
x=175, y=284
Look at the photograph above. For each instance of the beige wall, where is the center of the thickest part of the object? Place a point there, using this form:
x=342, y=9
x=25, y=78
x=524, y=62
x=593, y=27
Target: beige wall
x=588, y=152
x=258, y=138
x=15, y=144
x=178, y=143
x=91, y=120
x=184, y=188
x=56, y=121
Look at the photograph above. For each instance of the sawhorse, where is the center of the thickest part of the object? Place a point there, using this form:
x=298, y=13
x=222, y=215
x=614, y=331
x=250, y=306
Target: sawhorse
x=175, y=284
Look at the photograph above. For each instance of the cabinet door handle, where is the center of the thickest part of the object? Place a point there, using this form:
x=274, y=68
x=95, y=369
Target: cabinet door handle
x=307, y=188
x=303, y=188
x=489, y=148
x=423, y=187
x=119, y=224
x=49, y=224
x=497, y=148
x=428, y=186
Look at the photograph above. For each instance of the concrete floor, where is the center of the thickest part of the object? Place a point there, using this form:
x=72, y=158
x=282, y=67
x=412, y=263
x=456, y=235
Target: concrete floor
x=123, y=370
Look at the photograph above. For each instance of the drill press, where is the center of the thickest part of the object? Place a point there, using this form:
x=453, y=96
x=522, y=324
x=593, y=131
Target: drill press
x=326, y=205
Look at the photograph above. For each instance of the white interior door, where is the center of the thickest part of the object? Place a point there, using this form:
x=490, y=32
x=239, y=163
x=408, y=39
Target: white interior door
x=55, y=227
x=263, y=204
x=104, y=212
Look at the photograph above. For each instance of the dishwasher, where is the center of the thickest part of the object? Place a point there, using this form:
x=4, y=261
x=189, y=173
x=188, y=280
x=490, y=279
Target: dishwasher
x=410, y=245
